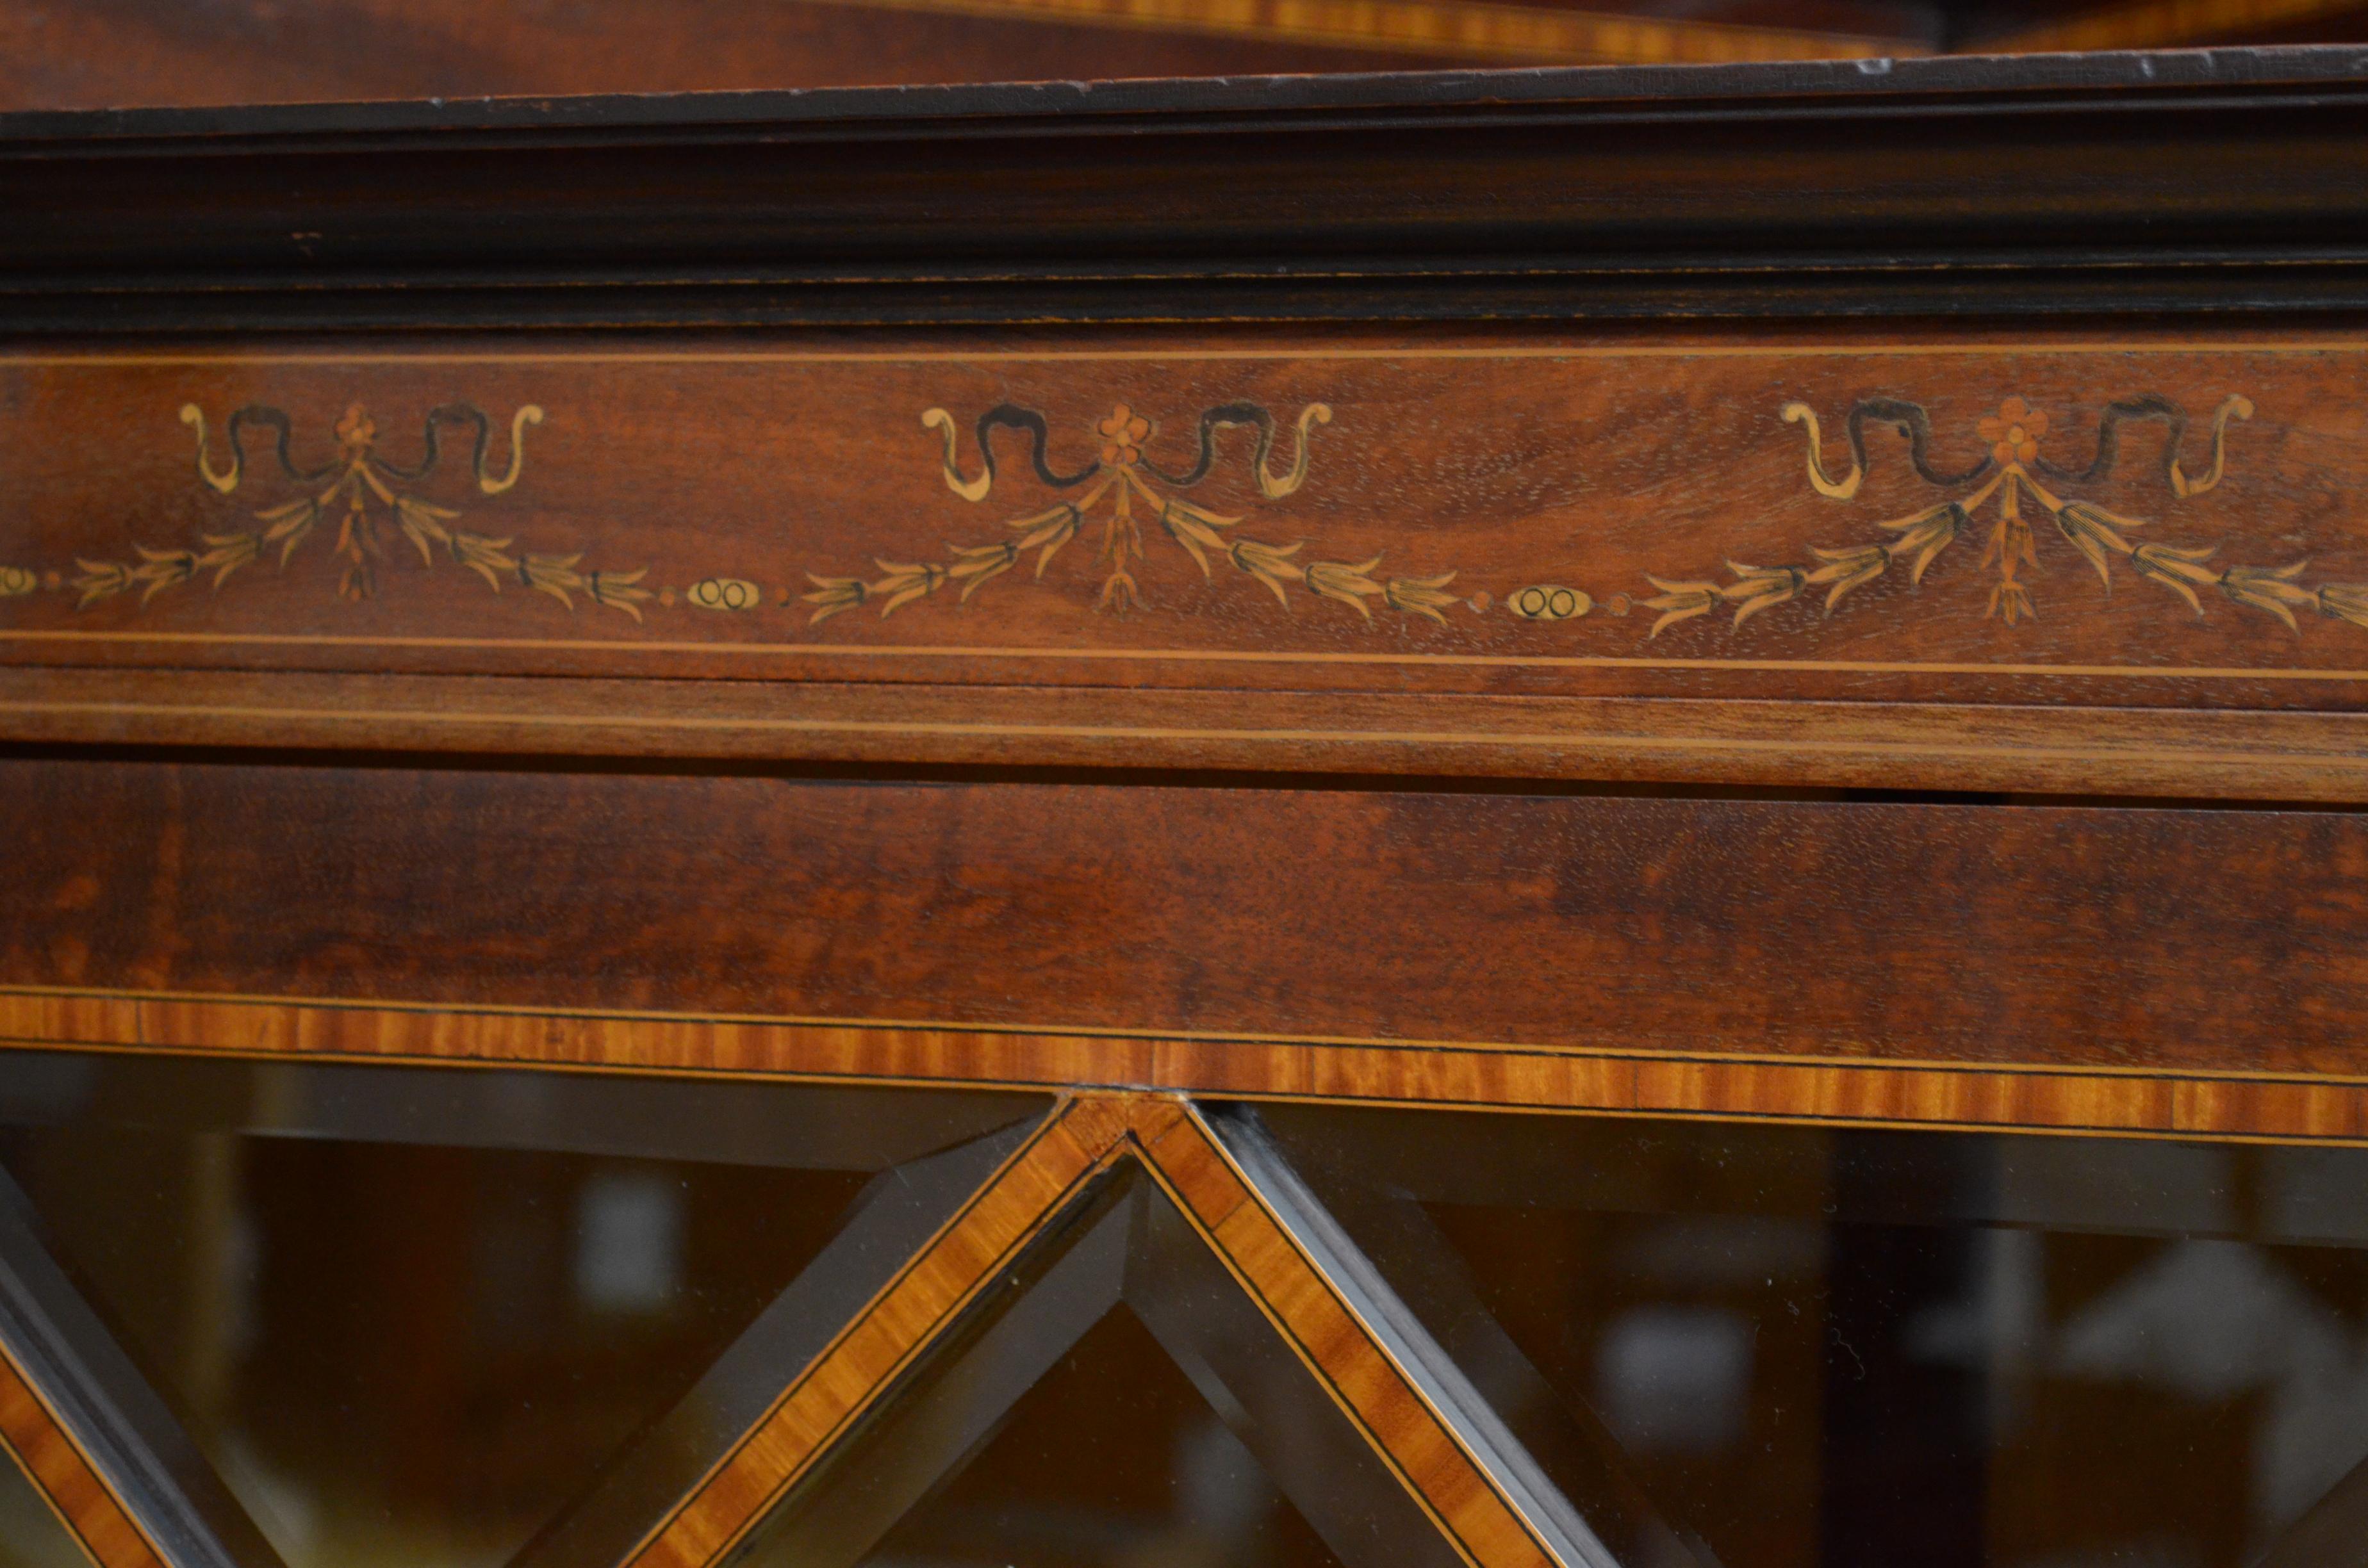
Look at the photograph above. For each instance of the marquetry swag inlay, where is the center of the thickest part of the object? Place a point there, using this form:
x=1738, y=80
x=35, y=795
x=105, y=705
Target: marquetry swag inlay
x=2003, y=478
x=374, y=500
x=357, y=477
x=1115, y=482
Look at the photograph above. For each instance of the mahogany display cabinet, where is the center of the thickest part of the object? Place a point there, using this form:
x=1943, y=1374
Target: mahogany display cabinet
x=1602, y=819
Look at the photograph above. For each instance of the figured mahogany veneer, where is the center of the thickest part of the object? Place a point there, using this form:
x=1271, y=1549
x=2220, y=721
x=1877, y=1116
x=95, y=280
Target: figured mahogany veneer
x=1579, y=937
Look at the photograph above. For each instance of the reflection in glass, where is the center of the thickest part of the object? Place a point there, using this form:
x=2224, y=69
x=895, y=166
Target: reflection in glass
x=399, y=1351
x=31, y=1534
x=1858, y=1349
x=1113, y=1461
x=391, y=1350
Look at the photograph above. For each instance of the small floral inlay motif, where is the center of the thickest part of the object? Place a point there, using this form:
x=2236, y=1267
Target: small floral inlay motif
x=1123, y=433
x=2013, y=432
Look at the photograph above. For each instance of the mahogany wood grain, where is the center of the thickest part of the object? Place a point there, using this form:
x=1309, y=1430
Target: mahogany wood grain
x=54, y=1464
x=2021, y=747
x=112, y=53
x=103, y=53
x=1452, y=557
x=1473, y=32
x=2116, y=561
x=2176, y=940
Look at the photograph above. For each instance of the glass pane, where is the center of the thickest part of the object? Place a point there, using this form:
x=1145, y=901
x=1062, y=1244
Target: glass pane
x=1118, y=1400
x=1113, y=1460
x=31, y=1534
x=410, y=1352
x=1858, y=1349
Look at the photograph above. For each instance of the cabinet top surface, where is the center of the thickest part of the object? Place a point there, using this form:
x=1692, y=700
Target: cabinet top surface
x=1942, y=84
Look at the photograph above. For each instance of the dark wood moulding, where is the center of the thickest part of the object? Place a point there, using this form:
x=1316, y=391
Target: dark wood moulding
x=2128, y=185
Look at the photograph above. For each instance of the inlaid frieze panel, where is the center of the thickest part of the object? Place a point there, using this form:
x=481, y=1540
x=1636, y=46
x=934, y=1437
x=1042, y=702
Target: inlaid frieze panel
x=1349, y=552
